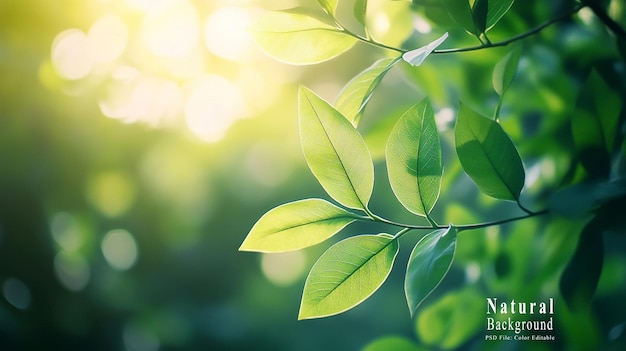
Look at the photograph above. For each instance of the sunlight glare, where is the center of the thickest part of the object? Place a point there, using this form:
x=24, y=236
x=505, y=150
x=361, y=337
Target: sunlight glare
x=445, y=119
x=212, y=107
x=381, y=24
x=226, y=33
x=70, y=55
x=253, y=85
x=107, y=39
x=172, y=31
x=137, y=98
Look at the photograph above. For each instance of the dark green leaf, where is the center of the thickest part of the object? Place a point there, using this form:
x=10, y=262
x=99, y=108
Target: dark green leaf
x=347, y=274
x=414, y=162
x=461, y=13
x=580, y=277
x=581, y=198
x=354, y=96
x=488, y=156
x=429, y=263
x=296, y=225
x=452, y=320
x=479, y=15
x=594, y=125
x=297, y=38
x=335, y=151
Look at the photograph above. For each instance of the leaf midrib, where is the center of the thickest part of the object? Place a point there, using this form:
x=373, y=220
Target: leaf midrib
x=489, y=158
x=354, y=272
x=363, y=206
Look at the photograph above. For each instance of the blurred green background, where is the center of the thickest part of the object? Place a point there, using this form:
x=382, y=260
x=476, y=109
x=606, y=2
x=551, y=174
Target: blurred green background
x=140, y=141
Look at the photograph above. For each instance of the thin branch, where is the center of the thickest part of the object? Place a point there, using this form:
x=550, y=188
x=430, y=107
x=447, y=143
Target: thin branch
x=529, y=214
x=484, y=45
x=604, y=17
x=503, y=221
x=370, y=41
x=519, y=204
x=521, y=36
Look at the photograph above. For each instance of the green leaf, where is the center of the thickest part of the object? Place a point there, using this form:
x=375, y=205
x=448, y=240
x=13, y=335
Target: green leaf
x=581, y=198
x=354, y=96
x=394, y=343
x=581, y=275
x=497, y=9
x=346, y=274
x=505, y=70
x=414, y=162
x=298, y=38
x=449, y=322
x=335, y=151
x=595, y=125
x=416, y=57
x=481, y=18
x=429, y=263
x=479, y=15
x=461, y=13
x=360, y=11
x=488, y=155
x=329, y=6
x=296, y=225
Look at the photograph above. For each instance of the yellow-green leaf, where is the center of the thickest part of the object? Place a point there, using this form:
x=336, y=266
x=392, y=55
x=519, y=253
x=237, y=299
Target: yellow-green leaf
x=360, y=11
x=335, y=151
x=296, y=225
x=298, y=38
x=346, y=274
x=329, y=6
x=414, y=162
x=354, y=96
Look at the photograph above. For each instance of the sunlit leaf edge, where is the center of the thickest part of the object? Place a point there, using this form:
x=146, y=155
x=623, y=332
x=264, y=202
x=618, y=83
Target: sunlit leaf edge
x=377, y=71
x=468, y=161
x=297, y=38
x=421, y=200
x=308, y=312
x=413, y=304
x=352, y=162
x=337, y=219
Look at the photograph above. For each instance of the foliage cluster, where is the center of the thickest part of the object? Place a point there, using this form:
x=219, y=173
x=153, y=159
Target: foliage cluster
x=590, y=186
